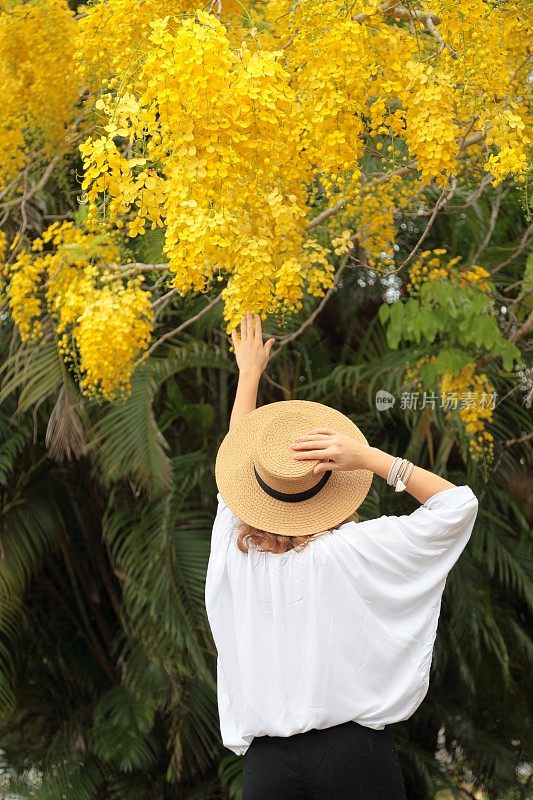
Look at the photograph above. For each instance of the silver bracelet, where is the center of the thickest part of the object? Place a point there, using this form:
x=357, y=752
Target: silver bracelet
x=401, y=483
x=399, y=473
x=393, y=471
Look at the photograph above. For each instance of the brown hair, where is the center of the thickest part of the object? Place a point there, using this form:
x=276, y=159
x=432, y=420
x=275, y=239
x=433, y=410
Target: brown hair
x=276, y=542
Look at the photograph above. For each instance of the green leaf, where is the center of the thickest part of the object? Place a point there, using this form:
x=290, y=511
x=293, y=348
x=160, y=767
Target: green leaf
x=384, y=313
x=395, y=330
x=509, y=353
x=485, y=331
x=35, y=371
x=428, y=323
x=126, y=438
x=452, y=360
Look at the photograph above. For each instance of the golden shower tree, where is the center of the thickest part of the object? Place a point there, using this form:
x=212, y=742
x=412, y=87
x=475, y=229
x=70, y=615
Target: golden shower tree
x=162, y=162
x=265, y=140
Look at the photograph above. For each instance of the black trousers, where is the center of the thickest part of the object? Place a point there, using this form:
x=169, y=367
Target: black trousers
x=344, y=762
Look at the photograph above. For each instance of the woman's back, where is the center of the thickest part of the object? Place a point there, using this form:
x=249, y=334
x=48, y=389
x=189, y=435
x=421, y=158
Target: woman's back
x=342, y=630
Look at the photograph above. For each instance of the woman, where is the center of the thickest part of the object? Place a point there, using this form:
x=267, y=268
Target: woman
x=324, y=626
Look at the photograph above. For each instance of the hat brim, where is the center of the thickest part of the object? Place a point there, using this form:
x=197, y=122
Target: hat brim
x=234, y=474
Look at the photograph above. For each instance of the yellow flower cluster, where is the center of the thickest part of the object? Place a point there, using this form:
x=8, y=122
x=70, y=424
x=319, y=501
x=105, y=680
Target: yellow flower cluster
x=113, y=36
x=231, y=134
x=3, y=267
x=24, y=284
x=332, y=68
x=374, y=218
x=474, y=392
x=215, y=171
x=39, y=86
x=467, y=396
x=343, y=244
x=431, y=132
x=492, y=73
x=412, y=374
x=215, y=233
x=434, y=264
x=123, y=316
x=103, y=321
x=512, y=143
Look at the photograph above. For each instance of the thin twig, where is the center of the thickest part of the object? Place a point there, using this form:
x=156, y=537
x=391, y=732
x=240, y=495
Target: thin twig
x=309, y=321
x=326, y=214
x=392, y=9
x=476, y=194
x=492, y=222
x=511, y=442
x=218, y=4
x=181, y=327
x=388, y=175
x=525, y=328
x=430, y=27
x=36, y=188
x=272, y=382
x=441, y=202
x=524, y=242
x=164, y=300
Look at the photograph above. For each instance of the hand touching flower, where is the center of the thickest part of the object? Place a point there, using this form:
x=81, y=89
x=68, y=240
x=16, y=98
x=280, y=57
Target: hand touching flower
x=251, y=354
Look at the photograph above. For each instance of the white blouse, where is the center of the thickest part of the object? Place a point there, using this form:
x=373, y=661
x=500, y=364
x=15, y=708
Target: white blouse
x=342, y=630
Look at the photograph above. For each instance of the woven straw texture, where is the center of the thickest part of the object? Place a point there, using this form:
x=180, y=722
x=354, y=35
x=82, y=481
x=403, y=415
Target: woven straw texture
x=263, y=439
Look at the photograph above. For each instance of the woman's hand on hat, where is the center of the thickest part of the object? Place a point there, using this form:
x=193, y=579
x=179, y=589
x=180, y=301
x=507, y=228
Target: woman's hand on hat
x=335, y=450
x=250, y=352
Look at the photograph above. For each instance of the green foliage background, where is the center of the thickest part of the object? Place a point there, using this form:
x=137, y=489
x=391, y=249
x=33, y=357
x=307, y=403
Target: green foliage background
x=107, y=666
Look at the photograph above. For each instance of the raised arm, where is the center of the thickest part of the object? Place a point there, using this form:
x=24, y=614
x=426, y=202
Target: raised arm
x=252, y=357
x=347, y=453
x=442, y=523
x=422, y=484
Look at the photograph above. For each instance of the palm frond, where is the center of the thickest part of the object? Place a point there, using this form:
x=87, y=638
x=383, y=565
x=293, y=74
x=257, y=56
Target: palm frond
x=70, y=778
x=126, y=440
x=34, y=370
x=230, y=772
x=161, y=556
x=14, y=437
x=29, y=530
x=122, y=730
x=11, y=649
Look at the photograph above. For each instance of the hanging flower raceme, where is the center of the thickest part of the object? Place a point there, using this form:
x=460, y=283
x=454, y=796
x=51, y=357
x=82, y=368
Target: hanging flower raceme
x=40, y=89
x=266, y=140
x=207, y=161
x=471, y=398
x=103, y=320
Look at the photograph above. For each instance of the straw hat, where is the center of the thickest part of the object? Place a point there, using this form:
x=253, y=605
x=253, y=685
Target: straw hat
x=256, y=472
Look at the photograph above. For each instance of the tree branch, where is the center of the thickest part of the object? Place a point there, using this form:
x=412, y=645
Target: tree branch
x=326, y=214
x=392, y=9
x=441, y=202
x=511, y=442
x=525, y=328
x=162, y=302
x=430, y=27
x=524, y=242
x=41, y=183
x=284, y=340
x=492, y=222
x=181, y=327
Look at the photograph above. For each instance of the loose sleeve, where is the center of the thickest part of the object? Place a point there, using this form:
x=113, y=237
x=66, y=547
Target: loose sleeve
x=224, y=524
x=221, y=535
x=400, y=558
x=446, y=518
